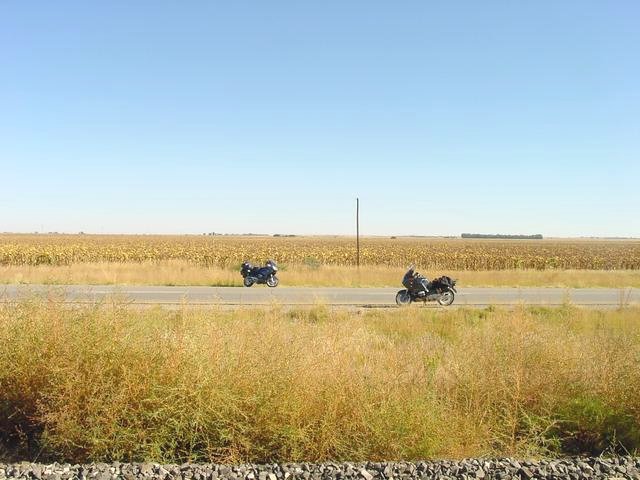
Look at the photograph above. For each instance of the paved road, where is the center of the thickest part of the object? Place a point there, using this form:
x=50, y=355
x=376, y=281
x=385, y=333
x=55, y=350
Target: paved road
x=260, y=295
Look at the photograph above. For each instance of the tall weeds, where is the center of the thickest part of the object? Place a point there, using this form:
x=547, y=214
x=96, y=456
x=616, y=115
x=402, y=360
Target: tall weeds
x=113, y=382
x=310, y=274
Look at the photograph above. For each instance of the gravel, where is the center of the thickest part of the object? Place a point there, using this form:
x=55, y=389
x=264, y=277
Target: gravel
x=480, y=468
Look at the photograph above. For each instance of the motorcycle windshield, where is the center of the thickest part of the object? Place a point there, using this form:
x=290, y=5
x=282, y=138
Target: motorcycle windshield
x=407, y=280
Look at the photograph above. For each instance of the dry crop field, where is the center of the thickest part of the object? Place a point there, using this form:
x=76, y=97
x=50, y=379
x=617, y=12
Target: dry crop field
x=194, y=259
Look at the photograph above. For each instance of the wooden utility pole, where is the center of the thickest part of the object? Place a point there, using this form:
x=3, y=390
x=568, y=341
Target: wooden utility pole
x=358, y=233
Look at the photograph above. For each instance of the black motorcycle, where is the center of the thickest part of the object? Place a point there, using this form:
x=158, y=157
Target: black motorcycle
x=417, y=288
x=256, y=274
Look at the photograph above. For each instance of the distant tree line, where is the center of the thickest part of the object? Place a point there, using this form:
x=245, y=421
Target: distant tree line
x=537, y=236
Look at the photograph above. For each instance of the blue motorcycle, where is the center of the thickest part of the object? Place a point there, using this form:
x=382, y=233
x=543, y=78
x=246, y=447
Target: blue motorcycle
x=257, y=274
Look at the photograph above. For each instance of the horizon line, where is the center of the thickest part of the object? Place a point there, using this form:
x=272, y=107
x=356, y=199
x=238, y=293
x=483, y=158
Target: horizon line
x=505, y=236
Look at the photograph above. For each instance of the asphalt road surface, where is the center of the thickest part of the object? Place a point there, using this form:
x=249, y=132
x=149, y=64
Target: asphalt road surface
x=261, y=295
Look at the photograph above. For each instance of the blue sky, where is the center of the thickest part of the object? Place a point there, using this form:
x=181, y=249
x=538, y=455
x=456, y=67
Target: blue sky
x=443, y=117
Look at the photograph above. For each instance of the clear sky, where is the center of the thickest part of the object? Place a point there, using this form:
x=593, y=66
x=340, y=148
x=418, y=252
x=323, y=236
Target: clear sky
x=238, y=116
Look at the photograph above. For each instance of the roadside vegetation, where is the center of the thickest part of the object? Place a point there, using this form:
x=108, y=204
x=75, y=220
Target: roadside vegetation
x=179, y=272
x=114, y=382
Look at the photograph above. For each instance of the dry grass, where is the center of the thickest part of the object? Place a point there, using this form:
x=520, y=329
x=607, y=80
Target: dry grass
x=109, y=382
x=179, y=272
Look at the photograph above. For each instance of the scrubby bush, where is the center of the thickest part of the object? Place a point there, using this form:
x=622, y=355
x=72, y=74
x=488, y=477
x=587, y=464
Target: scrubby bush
x=112, y=382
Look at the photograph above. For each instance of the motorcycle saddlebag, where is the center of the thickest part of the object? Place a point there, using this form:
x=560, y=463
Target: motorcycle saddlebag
x=442, y=283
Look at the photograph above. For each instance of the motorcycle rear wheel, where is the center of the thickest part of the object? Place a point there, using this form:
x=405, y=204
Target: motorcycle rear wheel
x=248, y=281
x=403, y=298
x=272, y=281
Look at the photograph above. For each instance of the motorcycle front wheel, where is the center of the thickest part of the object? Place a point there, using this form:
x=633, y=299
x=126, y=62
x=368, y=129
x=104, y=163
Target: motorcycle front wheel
x=272, y=281
x=446, y=298
x=248, y=281
x=403, y=298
